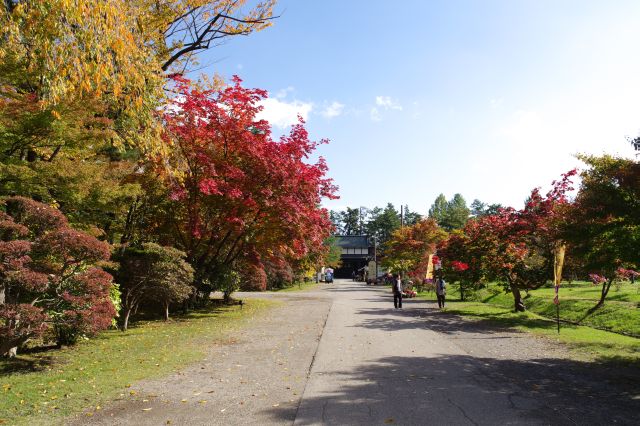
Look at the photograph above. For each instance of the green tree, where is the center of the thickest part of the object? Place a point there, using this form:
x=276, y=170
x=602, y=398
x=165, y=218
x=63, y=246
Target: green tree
x=438, y=210
x=493, y=209
x=350, y=220
x=95, y=196
x=334, y=251
x=383, y=222
x=411, y=218
x=336, y=220
x=478, y=207
x=462, y=261
x=152, y=274
x=603, y=225
x=371, y=223
x=451, y=214
x=457, y=213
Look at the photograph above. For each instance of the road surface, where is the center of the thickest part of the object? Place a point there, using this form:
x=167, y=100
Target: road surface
x=342, y=355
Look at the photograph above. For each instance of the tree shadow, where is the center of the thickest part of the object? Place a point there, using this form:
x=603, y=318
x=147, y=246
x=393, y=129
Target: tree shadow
x=25, y=362
x=461, y=389
x=432, y=318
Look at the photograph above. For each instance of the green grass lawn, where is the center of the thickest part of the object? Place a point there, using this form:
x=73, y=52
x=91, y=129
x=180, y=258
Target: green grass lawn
x=301, y=286
x=620, y=314
x=45, y=387
x=626, y=292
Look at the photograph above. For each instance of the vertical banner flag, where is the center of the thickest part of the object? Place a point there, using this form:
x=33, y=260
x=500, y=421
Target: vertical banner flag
x=558, y=263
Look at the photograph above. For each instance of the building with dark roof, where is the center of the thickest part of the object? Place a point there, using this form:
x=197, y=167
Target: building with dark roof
x=357, y=252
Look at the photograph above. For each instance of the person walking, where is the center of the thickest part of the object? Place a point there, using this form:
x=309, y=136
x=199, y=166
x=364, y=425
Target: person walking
x=397, y=291
x=441, y=291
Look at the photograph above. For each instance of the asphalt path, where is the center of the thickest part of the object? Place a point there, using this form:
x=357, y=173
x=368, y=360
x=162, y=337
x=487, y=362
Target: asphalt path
x=343, y=355
x=415, y=366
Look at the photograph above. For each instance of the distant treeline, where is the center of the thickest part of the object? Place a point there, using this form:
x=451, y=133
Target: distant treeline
x=380, y=222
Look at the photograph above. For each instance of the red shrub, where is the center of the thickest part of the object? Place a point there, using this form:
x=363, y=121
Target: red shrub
x=48, y=275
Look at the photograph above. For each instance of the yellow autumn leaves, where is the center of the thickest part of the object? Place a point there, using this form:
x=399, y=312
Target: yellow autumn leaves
x=110, y=51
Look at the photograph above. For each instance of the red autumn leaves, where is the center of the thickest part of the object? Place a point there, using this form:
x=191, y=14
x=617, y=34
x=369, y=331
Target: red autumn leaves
x=239, y=195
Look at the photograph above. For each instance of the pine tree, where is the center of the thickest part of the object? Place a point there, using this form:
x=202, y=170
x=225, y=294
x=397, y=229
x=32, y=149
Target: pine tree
x=457, y=213
x=438, y=210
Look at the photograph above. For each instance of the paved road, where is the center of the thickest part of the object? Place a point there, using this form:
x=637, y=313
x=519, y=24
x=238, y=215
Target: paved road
x=371, y=364
x=417, y=366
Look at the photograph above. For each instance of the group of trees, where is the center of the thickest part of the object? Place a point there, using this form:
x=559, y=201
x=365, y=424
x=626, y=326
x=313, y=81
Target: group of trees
x=376, y=222
x=596, y=232
x=108, y=152
x=452, y=214
x=383, y=223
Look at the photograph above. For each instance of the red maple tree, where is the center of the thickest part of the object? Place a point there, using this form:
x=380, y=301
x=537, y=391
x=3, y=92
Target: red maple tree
x=237, y=195
x=512, y=246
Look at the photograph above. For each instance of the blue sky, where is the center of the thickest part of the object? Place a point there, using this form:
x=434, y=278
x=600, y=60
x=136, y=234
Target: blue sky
x=486, y=98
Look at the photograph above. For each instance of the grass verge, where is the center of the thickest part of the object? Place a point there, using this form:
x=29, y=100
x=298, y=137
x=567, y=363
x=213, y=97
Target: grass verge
x=301, y=286
x=587, y=343
x=591, y=344
x=619, y=314
x=46, y=387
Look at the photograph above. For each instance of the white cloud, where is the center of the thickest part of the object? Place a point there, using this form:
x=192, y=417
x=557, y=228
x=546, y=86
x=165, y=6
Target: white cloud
x=283, y=114
x=375, y=114
x=496, y=102
x=333, y=110
x=282, y=93
x=387, y=103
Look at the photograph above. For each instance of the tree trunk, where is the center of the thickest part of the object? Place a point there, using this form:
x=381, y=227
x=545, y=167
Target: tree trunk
x=517, y=298
x=461, y=292
x=125, y=321
x=166, y=311
x=10, y=351
x=603, y=292
x=9, y=347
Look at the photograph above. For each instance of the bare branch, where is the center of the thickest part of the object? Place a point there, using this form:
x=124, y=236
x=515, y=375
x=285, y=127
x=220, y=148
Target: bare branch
x=192, y=26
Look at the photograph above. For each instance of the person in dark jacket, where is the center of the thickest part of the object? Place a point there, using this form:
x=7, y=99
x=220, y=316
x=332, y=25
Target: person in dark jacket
x=397, y=291
x=441, y=291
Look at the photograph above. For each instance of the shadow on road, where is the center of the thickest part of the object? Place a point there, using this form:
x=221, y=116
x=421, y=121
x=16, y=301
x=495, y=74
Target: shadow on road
x=449, y=389
x=390, y=319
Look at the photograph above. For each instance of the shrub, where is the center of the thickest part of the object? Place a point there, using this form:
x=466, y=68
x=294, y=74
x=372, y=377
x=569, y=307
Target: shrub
x=279, y=274
x=152, y=273
x=253, y=278
x=48, y=277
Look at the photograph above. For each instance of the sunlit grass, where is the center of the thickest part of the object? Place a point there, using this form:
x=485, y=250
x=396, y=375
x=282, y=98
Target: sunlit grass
x=587, y=342
x=43, y=388
x=619, y=313
x=301, y=286
x=624, y=292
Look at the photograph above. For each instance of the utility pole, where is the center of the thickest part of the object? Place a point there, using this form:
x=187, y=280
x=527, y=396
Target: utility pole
x=401, y=216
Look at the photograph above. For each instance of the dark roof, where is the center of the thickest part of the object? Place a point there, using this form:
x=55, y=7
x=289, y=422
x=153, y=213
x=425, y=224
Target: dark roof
x=352, y=241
